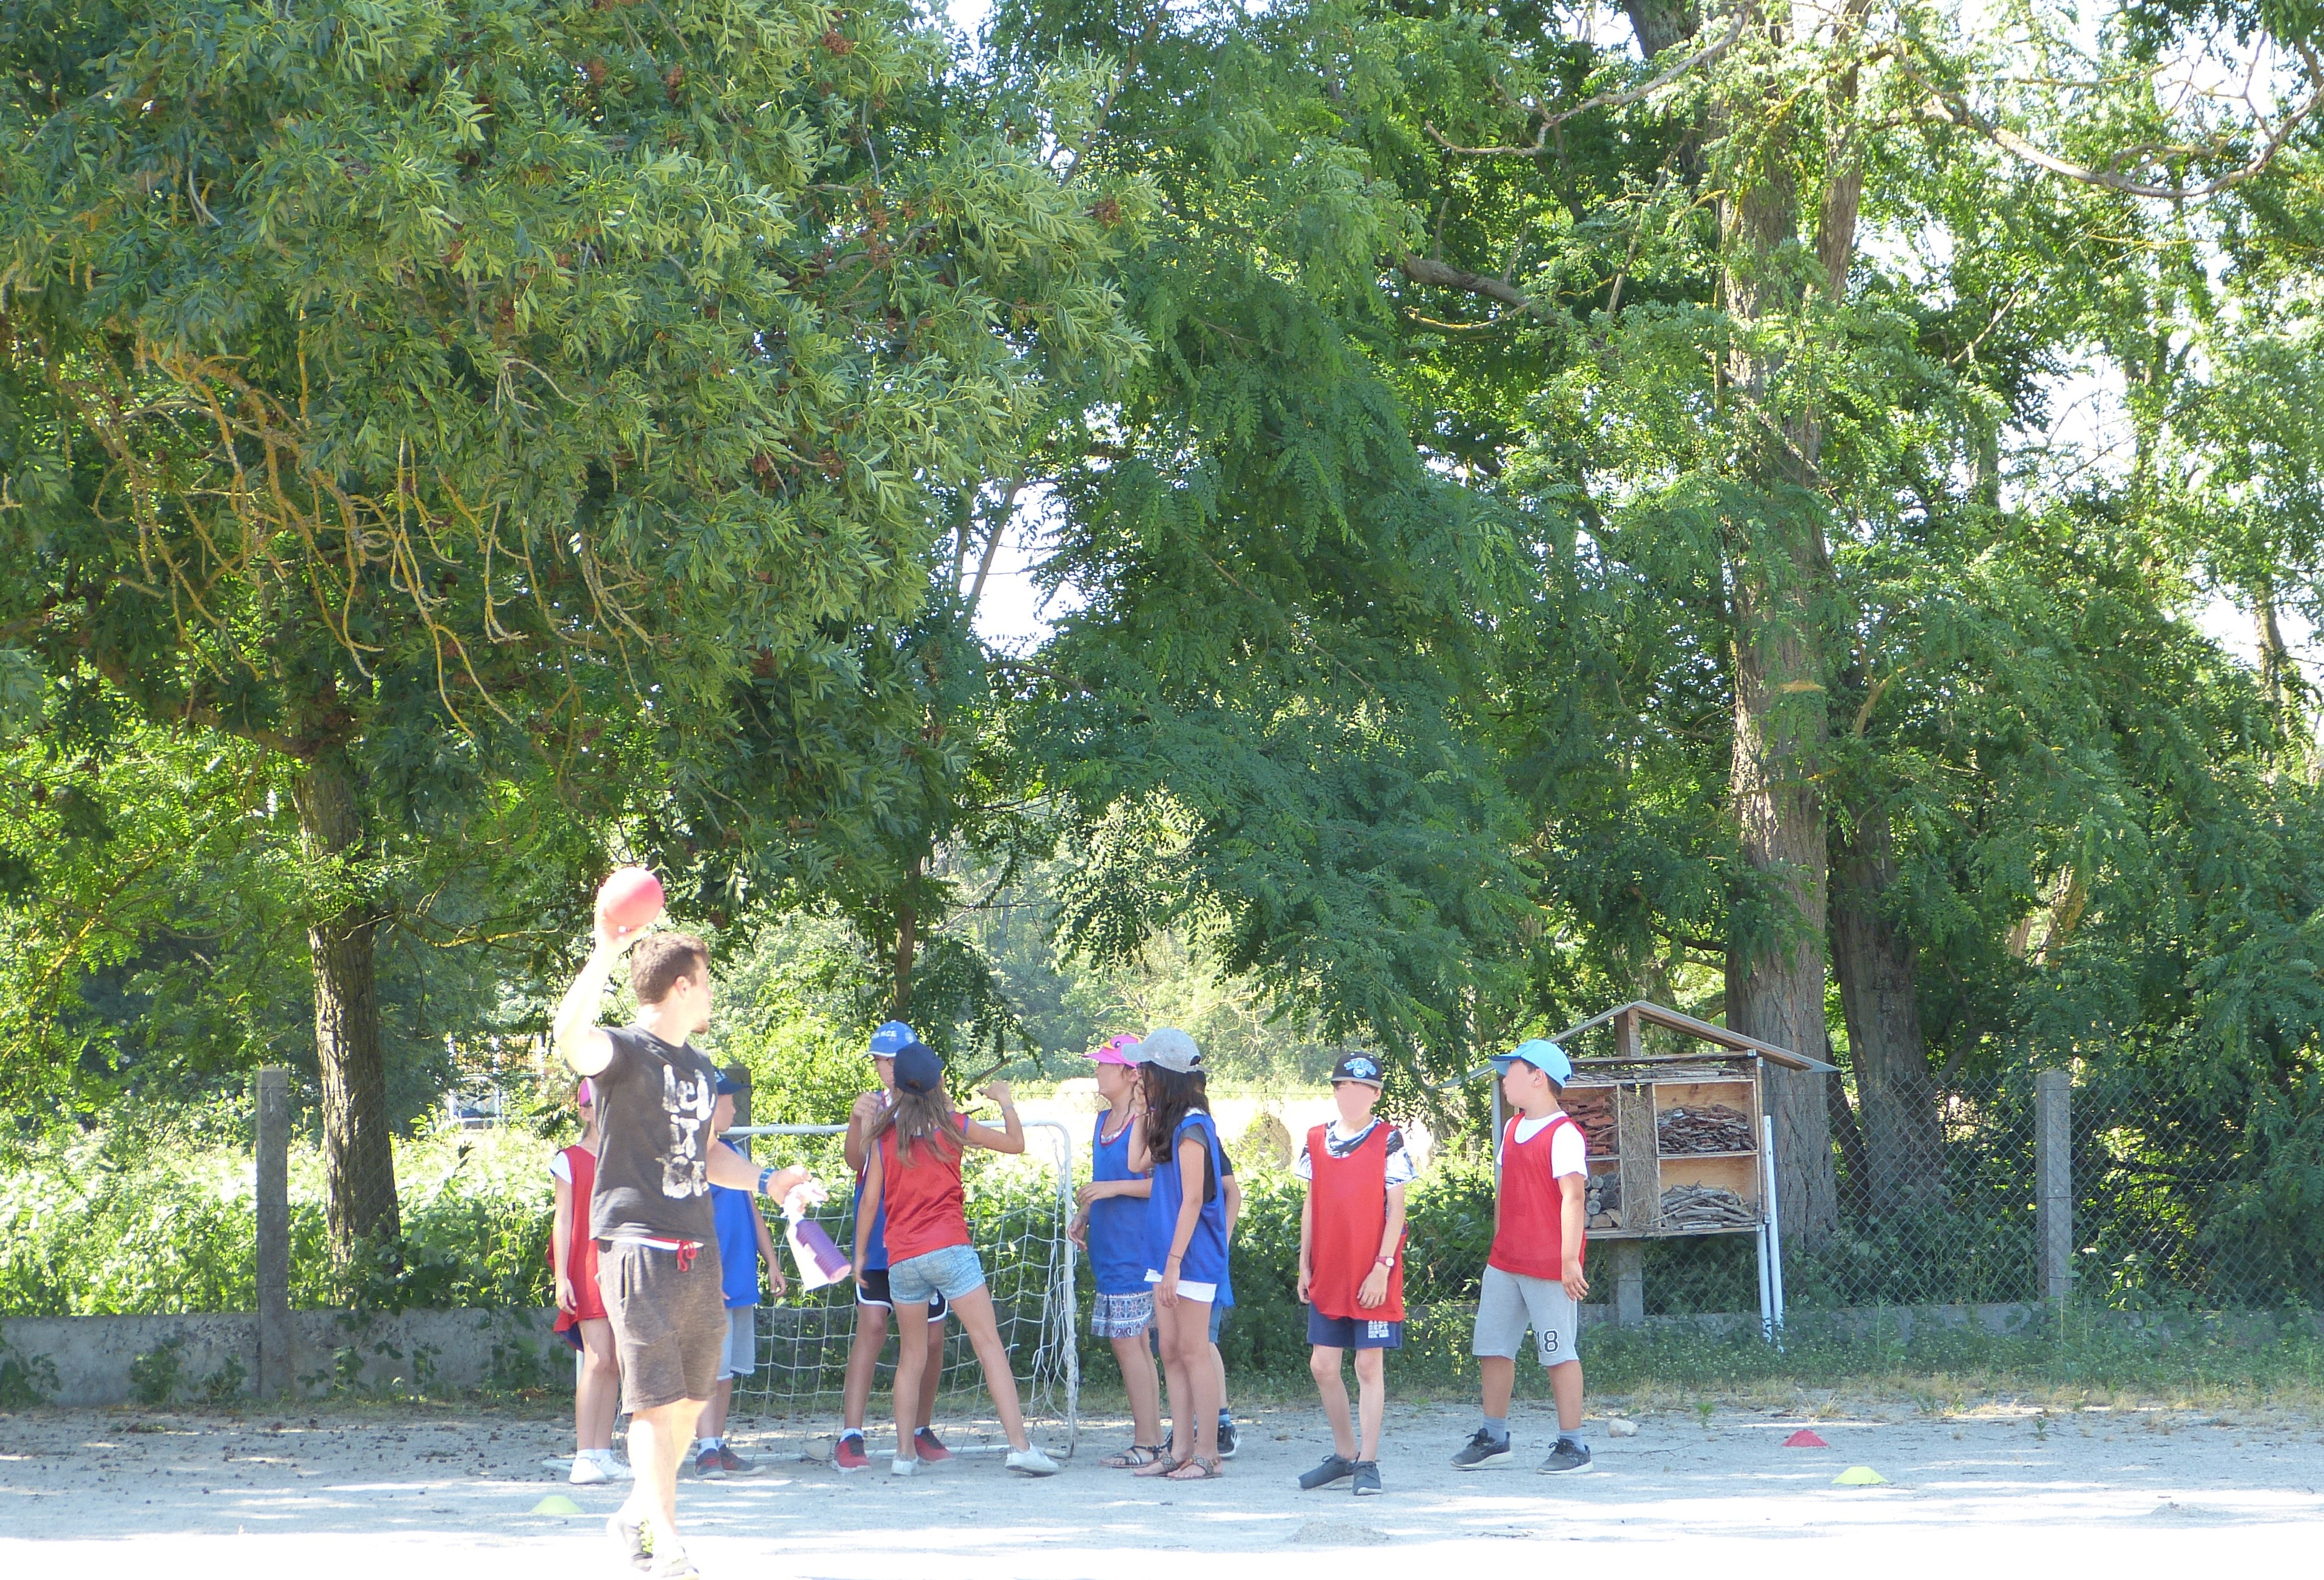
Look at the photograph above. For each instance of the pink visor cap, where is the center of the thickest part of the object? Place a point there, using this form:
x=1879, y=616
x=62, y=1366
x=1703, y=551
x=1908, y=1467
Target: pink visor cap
x=1114, y=1050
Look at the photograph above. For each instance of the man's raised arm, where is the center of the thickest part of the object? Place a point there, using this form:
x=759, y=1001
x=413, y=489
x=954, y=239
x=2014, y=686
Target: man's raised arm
x=580, y=1041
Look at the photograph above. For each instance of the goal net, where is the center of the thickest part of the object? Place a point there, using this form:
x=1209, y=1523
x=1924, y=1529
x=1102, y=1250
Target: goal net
x=1017, y=1209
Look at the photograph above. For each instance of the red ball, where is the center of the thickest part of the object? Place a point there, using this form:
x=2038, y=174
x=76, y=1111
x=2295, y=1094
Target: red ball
x=628, y=900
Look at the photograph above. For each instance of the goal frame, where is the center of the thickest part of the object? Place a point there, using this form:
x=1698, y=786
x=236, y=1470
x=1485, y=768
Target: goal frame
x=1060, y=1297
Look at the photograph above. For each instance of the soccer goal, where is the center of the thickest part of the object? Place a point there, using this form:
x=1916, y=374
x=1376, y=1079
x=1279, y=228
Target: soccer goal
x=1018, y=1210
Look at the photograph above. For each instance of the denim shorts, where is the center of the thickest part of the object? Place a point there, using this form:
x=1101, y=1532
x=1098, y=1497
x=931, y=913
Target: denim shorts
x=951, y=1271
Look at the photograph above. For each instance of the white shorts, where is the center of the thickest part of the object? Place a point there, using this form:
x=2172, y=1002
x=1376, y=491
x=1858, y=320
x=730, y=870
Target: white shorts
x=1511, y=1302
x=1187, y=1290
x=742, y=1356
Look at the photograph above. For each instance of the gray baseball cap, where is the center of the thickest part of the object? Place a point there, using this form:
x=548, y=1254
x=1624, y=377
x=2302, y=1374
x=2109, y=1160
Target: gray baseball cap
x=1170, y=1048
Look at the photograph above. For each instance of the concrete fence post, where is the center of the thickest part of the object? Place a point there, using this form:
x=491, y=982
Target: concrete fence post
x=2053, y=1170
x=276, y=1363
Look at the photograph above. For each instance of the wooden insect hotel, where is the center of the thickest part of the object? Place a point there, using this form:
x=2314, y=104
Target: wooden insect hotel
x=1679, y=1144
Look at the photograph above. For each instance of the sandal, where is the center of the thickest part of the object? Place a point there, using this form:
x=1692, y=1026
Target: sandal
x=1134, y=1458
x=1161, y=1465
x=1196, y=1469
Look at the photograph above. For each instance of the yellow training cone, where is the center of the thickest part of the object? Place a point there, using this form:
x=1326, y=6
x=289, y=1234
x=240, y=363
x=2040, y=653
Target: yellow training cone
x=556, y=1503
x=1859, y=1475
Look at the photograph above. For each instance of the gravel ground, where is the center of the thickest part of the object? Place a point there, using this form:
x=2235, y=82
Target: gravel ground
x=448, y=1492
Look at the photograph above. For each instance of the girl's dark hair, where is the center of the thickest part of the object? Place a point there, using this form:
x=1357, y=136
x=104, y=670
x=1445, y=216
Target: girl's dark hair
x=921, y=1116
x=1170, y=1097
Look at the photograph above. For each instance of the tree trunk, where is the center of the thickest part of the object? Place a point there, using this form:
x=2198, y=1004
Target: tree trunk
x=1854, y=1198
x=1903, y=1127
x=358, y=1162
x=1778, y=570
x=906, y=945
x=1660, y=23
x=1776, y=988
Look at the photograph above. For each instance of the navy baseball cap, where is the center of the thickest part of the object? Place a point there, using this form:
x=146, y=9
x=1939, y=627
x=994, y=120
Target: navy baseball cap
x=726, y=1086
x=919, y=1068
x=1361, y=1069
x=1541, y=1053
x=891, y=1036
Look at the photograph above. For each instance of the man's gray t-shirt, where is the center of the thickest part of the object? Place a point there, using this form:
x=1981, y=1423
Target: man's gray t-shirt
x=654, y=1104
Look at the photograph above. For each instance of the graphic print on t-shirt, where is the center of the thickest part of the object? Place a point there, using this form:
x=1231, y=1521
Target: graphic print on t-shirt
x=688, y=1101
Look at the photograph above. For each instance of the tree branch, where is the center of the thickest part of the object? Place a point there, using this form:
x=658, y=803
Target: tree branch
x=1437, y=271
x=1952, y=109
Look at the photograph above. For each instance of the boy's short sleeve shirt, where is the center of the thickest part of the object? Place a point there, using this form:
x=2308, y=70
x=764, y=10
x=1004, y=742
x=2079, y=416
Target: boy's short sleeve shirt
x=1401, y=1169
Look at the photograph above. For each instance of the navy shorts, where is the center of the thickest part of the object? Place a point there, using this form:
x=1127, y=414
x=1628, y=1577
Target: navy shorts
x=871, y=1290
x=1353, y=1332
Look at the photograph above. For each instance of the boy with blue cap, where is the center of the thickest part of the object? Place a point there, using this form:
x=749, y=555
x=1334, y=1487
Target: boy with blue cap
x=743, y=1243
x=1533, y=1277
x=873, y=1306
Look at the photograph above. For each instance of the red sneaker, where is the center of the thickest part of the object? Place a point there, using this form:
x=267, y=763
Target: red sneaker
x=849, y=1456
x=925, y=1445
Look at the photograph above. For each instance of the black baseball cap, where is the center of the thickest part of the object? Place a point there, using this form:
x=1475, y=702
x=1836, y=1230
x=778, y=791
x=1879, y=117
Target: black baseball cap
x=1361, y=1069
x=919, y=1068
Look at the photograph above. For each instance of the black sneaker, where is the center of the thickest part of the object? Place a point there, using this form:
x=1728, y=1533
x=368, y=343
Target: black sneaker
x=1333, y=1468
x=630, y=1535
x=1367, y=1479
x=1568, y=1455
x=1483, y=1449
x=1228, y=1440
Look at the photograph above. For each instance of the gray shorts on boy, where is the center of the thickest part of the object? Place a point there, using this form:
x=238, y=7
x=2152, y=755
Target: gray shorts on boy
x=1511, y=1302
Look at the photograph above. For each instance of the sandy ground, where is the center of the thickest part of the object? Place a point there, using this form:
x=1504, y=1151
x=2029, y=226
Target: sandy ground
x=442, y=1494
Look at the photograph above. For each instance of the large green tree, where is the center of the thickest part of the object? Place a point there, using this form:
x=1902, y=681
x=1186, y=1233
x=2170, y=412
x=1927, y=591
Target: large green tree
x=435, y=393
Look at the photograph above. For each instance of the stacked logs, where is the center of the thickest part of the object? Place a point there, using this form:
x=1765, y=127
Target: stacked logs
x=1712, y=1128
x=1706, y=1206
x=1603, y=1198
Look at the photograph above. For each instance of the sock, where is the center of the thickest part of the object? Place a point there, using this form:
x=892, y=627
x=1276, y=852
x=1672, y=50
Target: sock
x=854, y=1432
x=719, y=1442
x=1226, y=1417
x=1573, y=1437
x=1496, y=1427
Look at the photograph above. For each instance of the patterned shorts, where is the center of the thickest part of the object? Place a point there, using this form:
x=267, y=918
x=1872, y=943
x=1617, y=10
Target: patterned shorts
x=1121, y=1316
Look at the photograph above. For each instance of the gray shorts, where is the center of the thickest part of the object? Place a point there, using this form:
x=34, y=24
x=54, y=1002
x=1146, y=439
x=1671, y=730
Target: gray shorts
x=1511, y=1302
x=742, y=1356
x=669, y=1327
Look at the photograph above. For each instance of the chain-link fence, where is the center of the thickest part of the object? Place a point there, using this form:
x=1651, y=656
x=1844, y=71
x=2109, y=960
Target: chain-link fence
x=2184, y=1194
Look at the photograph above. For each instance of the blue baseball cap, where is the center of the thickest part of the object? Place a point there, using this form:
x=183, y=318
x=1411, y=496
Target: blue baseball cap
x=919, y=1068
x=1541, y=1053
x=892, y=1038
x=1361, y=1069
x=726, y=1086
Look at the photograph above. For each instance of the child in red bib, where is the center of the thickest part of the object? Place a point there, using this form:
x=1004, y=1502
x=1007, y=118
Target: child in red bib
x=1351, y=1267
x=1533, y=1278
x=581, y=1316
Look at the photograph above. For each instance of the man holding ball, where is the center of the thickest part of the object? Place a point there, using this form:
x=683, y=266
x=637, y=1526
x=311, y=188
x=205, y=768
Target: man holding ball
x=650, y=1212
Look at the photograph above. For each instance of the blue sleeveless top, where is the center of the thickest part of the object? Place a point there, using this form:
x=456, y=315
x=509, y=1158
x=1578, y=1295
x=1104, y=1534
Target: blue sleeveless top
x=1206, y=1261
x=1117, y=1224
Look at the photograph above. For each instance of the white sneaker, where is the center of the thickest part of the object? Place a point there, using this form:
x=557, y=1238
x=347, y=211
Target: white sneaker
x=903, y=1467
x=587, y=1471
x=616, y=1470
x=1031, y=1461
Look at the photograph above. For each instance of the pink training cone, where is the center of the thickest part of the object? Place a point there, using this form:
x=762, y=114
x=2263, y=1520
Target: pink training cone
x=1806, y=1438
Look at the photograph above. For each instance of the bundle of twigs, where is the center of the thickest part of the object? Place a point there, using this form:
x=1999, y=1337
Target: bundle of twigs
x=1712, y=1128
x=1706, y=1206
